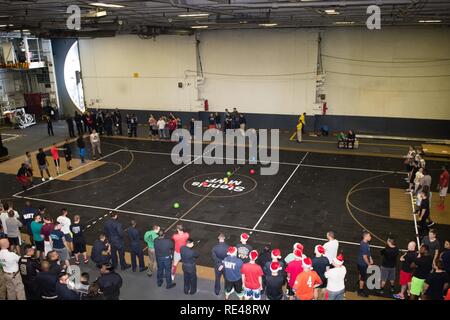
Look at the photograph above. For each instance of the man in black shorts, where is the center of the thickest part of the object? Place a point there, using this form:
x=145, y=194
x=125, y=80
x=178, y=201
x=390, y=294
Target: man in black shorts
x=364, y=261
x=232, y=271
x=79, y=243
x=67, y=154
x=424, y=215
x=41, y=158
x=320, y=264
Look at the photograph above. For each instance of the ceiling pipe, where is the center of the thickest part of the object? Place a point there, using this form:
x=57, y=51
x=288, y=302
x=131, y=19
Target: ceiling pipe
x=183, y=4
x=309, y=4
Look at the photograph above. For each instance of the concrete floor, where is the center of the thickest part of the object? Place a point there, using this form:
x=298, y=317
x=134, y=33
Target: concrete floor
x=138, y=286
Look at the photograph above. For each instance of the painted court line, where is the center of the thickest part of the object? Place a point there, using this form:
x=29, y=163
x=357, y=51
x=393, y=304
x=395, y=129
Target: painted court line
x=96, y=207
x=70, y=171
x=279, y=192
x=415, y=220
x=189, y=220
x=280, y=162
x=155, y=184
x=197, y=204
x=11, y=136
x=354, y=169
x=313, y=238
x=208, y=157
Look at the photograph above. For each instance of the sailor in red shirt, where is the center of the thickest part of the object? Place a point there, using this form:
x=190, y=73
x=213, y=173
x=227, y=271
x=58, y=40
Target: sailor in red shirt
x=443, y=187
x=292, y=270
x=179, y=239
x=306, y=283
x=252, y=277
x=55, y=155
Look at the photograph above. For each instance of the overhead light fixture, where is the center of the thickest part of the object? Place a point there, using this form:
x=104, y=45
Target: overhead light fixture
x=96, y=14
x=268, y=24
x=106, y=5
x=344, y=22
x=331, y=11
x=193, y=15
x=430, y=21
x=199, y=27
x=242, y=22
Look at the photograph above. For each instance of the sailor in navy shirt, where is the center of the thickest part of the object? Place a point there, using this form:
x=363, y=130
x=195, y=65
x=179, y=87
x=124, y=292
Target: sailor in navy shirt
x=232, y=271
x=219, y=252
x=27, y=216
x=136, y=248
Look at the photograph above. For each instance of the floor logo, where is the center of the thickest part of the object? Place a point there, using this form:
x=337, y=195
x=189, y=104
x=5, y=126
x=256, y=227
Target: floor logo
x=226, y=184
x=214, y=185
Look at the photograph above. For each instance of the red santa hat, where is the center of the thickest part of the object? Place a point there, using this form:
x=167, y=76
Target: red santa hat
x=232, y=251
x=253, y=255
x=244, y=237
x=298, y=246
x=319, y=250
x=307, y=263
x=275, y=266
x=276, y=254
x=339, y=260
x=298, y=253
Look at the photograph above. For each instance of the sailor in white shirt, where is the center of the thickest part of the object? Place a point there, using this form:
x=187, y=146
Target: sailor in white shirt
x=4, y=216
x=65, y=222
x=336, y=279
x=331, y=247
x=95, y=143
x=10, y=264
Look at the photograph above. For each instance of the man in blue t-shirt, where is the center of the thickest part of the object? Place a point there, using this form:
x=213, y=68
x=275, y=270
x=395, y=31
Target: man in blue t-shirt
x=58, y=242
x=364, y=261
x=232, y=273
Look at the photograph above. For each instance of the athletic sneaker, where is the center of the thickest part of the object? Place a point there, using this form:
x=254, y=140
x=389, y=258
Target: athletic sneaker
x=431, y=224
x=398, y=296
x=43, y=179
x=51, y=178
x=362, y=293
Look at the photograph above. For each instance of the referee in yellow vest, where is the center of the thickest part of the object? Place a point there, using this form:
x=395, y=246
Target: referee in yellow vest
x=302, y=118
